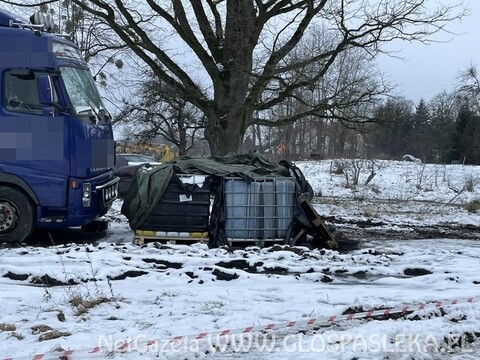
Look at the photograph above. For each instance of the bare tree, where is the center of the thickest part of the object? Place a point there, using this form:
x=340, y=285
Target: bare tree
x=240, y=46
x=470, y=81
x=443, y=125
x=469, y=87
x=158, y=111
x=98, y=43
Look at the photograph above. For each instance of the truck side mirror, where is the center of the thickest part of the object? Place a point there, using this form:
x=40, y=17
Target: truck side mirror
x=45, y=89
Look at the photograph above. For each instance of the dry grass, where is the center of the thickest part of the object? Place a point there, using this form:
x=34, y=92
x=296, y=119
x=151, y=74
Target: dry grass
x=83, y=305
x=47, y=333
x=7, y=327
x=473, y=206
x=38, y=329
x=470, y=183
x=53, y=334
x=17, y=336
x=370, y=213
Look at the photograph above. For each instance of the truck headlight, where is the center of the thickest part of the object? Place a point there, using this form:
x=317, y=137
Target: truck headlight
x=87, y=194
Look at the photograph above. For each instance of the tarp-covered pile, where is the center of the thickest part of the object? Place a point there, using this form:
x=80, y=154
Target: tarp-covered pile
x=150, y=182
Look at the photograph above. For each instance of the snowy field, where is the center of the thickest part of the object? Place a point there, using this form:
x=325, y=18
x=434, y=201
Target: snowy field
x=402, y=197
x=112, y=299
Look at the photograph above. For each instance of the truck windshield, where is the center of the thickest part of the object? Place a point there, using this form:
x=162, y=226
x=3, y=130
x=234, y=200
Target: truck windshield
x=82, y=91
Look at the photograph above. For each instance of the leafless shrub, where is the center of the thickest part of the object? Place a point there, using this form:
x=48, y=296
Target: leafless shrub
x=420, y=174
x=337, y=167
x=80, y=296
x=354, y=169
x=210, y=306
x=372, y=166
x=470, y=183
x=473, y=206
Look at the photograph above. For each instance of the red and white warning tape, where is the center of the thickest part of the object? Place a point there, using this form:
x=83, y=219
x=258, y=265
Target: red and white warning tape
x=318, y=321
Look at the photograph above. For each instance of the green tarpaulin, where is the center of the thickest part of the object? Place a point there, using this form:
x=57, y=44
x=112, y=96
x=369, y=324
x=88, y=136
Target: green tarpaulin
x=150, y=182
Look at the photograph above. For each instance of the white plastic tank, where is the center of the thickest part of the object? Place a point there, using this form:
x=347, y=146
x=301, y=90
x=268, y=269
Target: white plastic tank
x=243, y=211
x=284, y=198
x=260, y=210
x=269, y=209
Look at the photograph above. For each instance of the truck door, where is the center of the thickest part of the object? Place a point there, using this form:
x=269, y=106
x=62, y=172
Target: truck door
x=33, y=138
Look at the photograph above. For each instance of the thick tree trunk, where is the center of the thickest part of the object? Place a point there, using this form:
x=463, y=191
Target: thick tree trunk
x=225, y=134
x=231, y=115
x=223, y=141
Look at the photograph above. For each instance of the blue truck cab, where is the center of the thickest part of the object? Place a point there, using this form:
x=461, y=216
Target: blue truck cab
x=56, y=137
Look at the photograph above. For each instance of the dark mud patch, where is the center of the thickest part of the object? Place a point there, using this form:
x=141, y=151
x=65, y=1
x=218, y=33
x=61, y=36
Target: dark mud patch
x=416, y=272
x=46, y=280
x=164, y=263
x=240, y=264
x=354, y=231
x=13, y=276
x=131, y=273
x=234, y=264
x=224, y=276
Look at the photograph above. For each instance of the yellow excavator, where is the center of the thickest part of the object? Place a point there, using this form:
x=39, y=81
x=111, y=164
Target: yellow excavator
x=167, y=153
x=162, y=153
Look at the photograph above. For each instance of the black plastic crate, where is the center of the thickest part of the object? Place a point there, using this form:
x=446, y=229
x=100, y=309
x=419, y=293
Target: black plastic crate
x=184, y=206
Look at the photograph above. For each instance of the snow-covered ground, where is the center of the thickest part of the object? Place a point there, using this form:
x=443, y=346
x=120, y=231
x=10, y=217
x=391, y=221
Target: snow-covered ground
x=290, y=303
x=425, y=200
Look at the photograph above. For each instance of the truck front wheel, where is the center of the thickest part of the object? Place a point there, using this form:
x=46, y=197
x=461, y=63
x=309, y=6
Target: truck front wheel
x=16, y=216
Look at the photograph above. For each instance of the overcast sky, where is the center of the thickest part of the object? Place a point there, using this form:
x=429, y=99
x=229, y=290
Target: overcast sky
x=428, y=69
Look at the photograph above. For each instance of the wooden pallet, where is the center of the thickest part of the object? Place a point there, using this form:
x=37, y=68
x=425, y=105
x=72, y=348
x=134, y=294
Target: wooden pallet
x=322, y=234
x=141, y=240
x=144, y=237
x=147, y=236
x=237, y=243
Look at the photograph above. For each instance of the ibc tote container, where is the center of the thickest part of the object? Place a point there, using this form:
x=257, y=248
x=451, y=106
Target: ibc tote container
x=284, y=201
x=243, y=213
x=268, y=203
x=259, y=210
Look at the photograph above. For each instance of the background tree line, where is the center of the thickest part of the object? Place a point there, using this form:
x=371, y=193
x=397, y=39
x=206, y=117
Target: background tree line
x=293, y=79
x=444, y=129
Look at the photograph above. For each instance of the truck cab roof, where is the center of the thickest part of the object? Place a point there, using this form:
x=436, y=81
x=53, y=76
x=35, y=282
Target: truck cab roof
x=21, y=39
x=7, y=19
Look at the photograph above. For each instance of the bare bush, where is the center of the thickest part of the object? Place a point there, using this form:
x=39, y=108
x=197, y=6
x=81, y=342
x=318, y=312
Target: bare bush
x=354, y=169
x=470, y=183
x=420, y=175
x=337, y=167
x=473, y=206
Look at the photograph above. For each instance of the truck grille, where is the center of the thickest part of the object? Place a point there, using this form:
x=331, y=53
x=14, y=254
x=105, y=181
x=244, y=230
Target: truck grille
x=108, y=192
